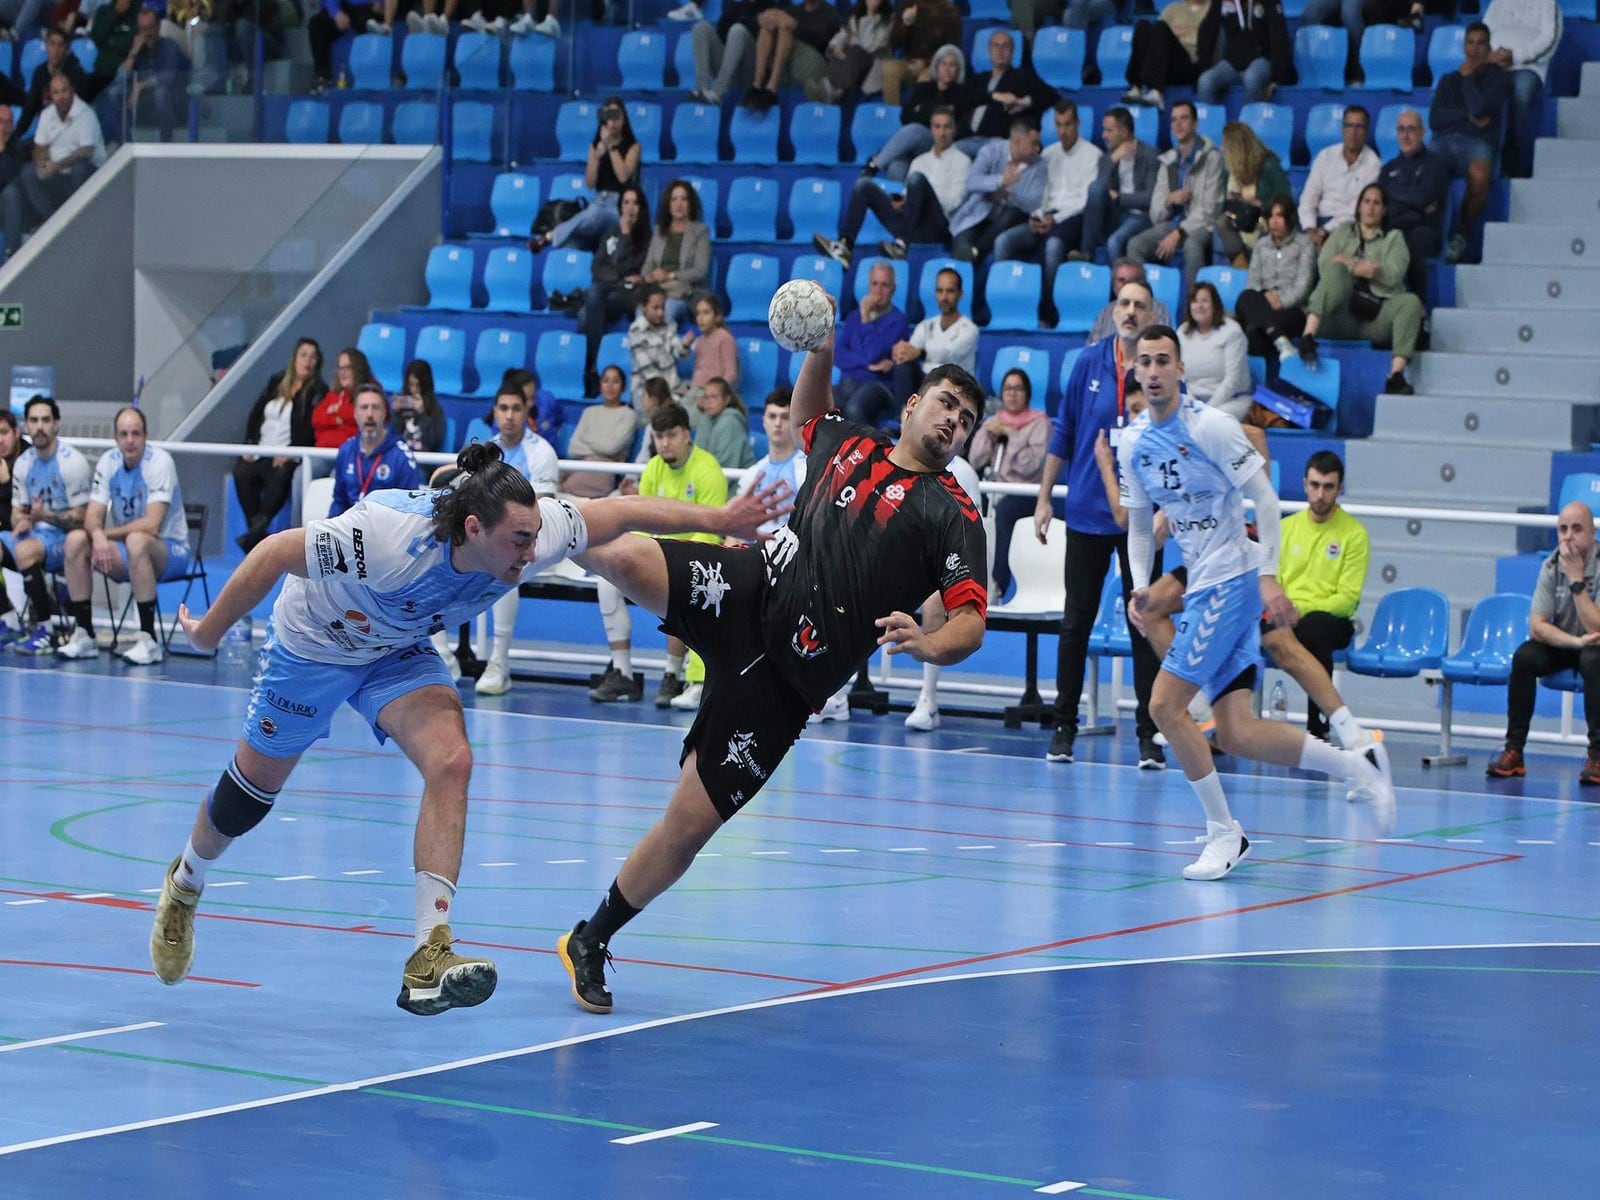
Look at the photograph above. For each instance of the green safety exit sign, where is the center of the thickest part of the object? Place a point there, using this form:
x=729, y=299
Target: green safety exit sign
x=10, y=316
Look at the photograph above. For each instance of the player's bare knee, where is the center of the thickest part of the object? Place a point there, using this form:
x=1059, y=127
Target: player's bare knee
x=450, y=768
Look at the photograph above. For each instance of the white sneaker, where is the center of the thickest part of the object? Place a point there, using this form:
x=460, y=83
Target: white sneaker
x=476, y=22
x=523, y=25
x=1226, y=846
x=144, y=652
x=495, y=681
x=416, y=22
x=686, y=12
x=836, y=709
x=378, y=27
x=434, y=23
x=498, y=25
x=924, y=717
x=80, y=645
x=549, y=27
x=687, y=700
x=1375, y=783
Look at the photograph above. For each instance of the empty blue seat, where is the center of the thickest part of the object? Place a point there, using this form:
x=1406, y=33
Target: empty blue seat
x=1446, y=49
x=533, y=64
x=929, y=279
x=823, y=269
x=514, y=202
x=694, y=132
x=1323, y=126
x=645, y=117
x=754, y=136
x=1166, y=283
x=1058, y=55
x=1229, y=282
x=385, y=348
x=371, y=61
x=86, y=52
x=871, y=125
x=422, y=60
x=1069, y=359
x=498, y=351
x=361, y=123
x=306, y=122
x=1319, y=53
x=813, y=208
x=683, y=59
x=1080, y=293
x=861, y=270
x=1497, y=626
x=444, y=348
x=1109, y=636
x=642, y=60
x=477, y=60
x=614, y=352
x=32, y=58
x=814, y=133
x=1580, y=485
x=1273, y=123
x=1012, y=295
x=1033, y=363
x=566, y=269
x=559, y=361
x=758, y=370
x=449, y=277
x=416, y=123
x=472, y=132
x=1209, y=120
x=1387, y=53
x=1111, y=54
x=508, y=279
x=1409, y=634
x=752, y=278
x=753, y=209
x=1321, y=382
x=576, y=121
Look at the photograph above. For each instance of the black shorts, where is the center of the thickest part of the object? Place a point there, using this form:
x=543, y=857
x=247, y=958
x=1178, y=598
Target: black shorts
x=749, y=716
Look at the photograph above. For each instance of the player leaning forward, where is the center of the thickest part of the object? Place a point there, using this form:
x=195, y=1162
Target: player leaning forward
x=1194, y=463
x=877, y=527
x=361, y=594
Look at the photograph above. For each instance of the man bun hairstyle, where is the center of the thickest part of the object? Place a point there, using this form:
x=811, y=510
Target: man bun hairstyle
x=485, y=486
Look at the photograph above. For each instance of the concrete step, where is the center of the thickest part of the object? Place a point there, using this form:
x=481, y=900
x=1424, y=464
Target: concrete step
x=1589, y=79
x=1565, y=158
x=1464, y=577
x=1578, y=116
x=1554, y=289
x=1555, y=201
x=1434, y=475
x=1562, y=244
x=1398, y=536
x=1443, y=373
x=1545, y=334
x=1483, y=421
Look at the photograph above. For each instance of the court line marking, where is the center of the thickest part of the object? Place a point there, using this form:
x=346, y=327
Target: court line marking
x=1057, y=1189
x=655, y=1135
x=78, y=1037
x=335, y=1089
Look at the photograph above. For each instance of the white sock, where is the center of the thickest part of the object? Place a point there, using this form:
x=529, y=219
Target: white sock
x=930, y=685
x=622, y=660
x=675, y=665
x=434, y=897
x=191, y=872
x=1347, y=729
x=505, y=624
x=1209, y=790
x=1317, y=755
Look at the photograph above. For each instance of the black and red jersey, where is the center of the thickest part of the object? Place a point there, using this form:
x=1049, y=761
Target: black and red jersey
x=866, y=538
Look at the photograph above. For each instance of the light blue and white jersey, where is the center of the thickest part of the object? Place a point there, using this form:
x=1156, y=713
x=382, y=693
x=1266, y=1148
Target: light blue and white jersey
x=1192, y=466
x=791, y=470
x=379, y=581
x=536, y=459
x=62, y=481
x=128, y=492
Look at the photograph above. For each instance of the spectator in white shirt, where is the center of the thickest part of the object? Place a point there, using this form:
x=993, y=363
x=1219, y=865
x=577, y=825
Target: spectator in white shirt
x=1215, y=369
x=1525, y=34
x=67, y=147
x=1339, y=173
x=1071, y=165
x=948, y=337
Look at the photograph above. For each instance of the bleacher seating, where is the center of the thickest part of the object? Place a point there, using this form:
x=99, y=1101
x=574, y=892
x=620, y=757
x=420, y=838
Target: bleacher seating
x=758, y=369
x=416, y=123
x=497, y=351
x=1387, y=52
x=645, y=118
x=1319, y=52
x=1058, y=55
x=514, y=203
x=443, y=347
x=871, y=125
x=508, y=279
x=814, y=207
x=642, y=60
x=449, y=277
x=307, y=122
x=559, y=361
x=371, y=61
x=385, y=348
x=422, y=58
x=820, y=267
x=576, y=122
x=1035, y=364
x=1273, y=123
x=928, y=279
x=477, y=60
x=566, y=270
x=1324, y=124
x=1011, y=294
x=1112, y=52
x=533, y=64
x=695, y=132
x=1080, y=293
x=814, y=134
x=361, y=123
x=751, y=280
x=753, y=209
x=754, y=136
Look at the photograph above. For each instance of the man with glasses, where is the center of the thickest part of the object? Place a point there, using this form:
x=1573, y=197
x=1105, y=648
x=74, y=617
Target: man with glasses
x=1338, y=173
x=1416, y=183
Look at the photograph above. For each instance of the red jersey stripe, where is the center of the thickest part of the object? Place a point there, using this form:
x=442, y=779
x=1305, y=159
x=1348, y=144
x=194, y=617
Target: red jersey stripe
x=968, y=591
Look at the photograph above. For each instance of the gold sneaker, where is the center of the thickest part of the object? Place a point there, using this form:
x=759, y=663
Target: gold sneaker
x=172, y=938
x=437, y=979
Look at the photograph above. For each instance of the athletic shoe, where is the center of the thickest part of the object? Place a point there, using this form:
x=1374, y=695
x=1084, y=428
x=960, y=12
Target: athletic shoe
x=79, y=643
x=144, y=652
x=522, y=25
x=836, y=709
x=687, y=700
x=894, y=248
x=686, y=12
x=586, y=966
x=1061, y=742
x=1308, y=349
x=671, y=688
x=614, y=685
x=1154, y=98
x=1456, y=250
x=1375, y=783
x=834, y=248
x=172, y=938
x=1225, y=847
x=1398, y=385
x=924, y=717
x=436, y=978
x=549, y=27
x=1151, y=756
x=1590, y=775
x=41, y=641
x=415, y=23
x=1132, y=96
x=379, y=28
x=11, y=630
x=1507, y=764
x=435, y=23
x=495, y=680
x=477, y=22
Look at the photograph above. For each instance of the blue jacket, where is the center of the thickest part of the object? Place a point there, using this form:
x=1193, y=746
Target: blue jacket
x=355, y=474
x=862, y=342
x=1088, y=406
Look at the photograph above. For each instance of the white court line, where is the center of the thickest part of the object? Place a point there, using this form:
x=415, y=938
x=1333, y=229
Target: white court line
x=1324, y=841
x=290, y=878
x=220, y=883
x=549, y=862
x=965, y=750
x=767, y=853
x=90, y=895
x=1056, y=1189
x=1030, y=846
x=658, y=1134
x=20, y=903
x=1113, y=843
x=503, y=864
x=858, y=852
x=981, y=847
x=908, y=849
x=1477, y=842
x=363, y=871
x=78, y=1037
x=1535, y=842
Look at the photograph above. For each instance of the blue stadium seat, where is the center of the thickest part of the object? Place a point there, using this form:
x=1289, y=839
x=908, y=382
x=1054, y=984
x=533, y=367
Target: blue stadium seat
x=444, y=348
x=514, y=202
x=422, y=60
x=813, y=208
x=758, y=370
x=32, y=58
x=1323, y=126
x=569, y=185
x=306, y=122
x=479, y=430
x=814, y=133
x=1497, y=626
x=1409, y=634
x=416, y=123
x=472, y=132
x=1032, y=362
x=385, y=348
x=1080, y=293
x=1385, y=128
x=1321, y=382
x=449, y=278
x=533, y=64
x=1387, y=53
x=1166, y=283
x=753, y=209
x=978, y=47
x=683, y=59
x=576, y=121
x=930, y=275
x=645, y=117
x=1147, y=123
x=559, y=361
x=642, y=60
x=1209, y=120
x=694, y=132
x=1058, y=55
x=1319, y=52
x=1069, y=359
x=861, y=268
x=508, y=279
x=566, y=269
x=614, y=352
x=8, y=58
x=1581, y=485
x=1109, y=635
x=498, y=351
x=871, y=125
x=993, y=11
x=1229, y=282
x=754, y=136
x=1012, y=295
x=823, y=269
x=86, y=51
x=371, y=61
x=361, y=123
x=752, y=278
x=1273, y=123
x=1445, y=50
x=477, y=60
x=1111, y=54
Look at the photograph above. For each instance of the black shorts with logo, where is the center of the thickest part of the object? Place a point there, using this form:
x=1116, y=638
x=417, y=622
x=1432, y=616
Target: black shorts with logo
x=749, y=716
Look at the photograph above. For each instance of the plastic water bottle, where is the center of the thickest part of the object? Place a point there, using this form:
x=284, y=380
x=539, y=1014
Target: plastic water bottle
x=235, y=652
x=1280, y=702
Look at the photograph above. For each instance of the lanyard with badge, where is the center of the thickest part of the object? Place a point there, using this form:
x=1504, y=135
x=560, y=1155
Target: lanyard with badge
x=1115, y=434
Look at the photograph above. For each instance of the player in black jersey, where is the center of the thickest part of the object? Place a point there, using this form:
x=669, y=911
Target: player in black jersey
x=877, y=526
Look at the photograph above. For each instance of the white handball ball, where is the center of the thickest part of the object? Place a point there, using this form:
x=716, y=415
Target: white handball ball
x=800, y=316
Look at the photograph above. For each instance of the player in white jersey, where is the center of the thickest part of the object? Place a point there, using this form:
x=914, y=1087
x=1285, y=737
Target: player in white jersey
x=1196, y=465
x=361, y=593
x=49, y=492
x=133, y=529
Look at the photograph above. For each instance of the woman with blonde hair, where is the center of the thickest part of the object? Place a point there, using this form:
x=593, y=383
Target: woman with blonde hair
x=1255, y=176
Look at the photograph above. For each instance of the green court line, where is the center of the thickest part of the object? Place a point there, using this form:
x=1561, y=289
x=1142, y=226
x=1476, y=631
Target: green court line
x=741, y=1144
x=180, y=1062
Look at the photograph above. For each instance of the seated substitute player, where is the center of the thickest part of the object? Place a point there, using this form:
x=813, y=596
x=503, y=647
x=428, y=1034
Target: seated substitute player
x=361, y=593
x=50, y=484
x=876, y=527
x=1194, y=462
x=133, y=529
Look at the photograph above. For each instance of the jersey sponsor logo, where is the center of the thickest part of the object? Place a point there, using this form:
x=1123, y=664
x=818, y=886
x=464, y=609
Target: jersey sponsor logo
x=952, y=563
x=1195, y=525
x=294, y=708
x=383, y=472
x=707, y=587
x=1183, y=450
x=269, y=727
x=360, y=620
x=742, y=753
x=360, y=552
x=807, y=642
x=330, y=557
x=1242, y=459
x=1333, y=550
x=779, y=552
x=894, y=493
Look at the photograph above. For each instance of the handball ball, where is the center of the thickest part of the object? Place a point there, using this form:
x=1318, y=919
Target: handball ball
x=800, y=315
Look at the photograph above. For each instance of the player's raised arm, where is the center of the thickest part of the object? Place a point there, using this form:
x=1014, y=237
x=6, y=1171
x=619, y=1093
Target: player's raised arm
x=742, y=517
x=798, y=323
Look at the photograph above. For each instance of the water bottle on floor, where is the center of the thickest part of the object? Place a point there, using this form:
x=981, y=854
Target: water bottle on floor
x=236, y=650
x=1280, y=702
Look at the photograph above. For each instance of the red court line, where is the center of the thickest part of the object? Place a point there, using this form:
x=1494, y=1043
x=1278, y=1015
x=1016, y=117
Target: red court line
x=1174, y=923
x=60, y=966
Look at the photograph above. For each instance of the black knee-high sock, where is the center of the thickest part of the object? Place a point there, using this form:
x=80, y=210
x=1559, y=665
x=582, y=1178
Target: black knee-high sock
x=33, y=583
x=82, y=617
x=614, y=912
x=147, y=616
